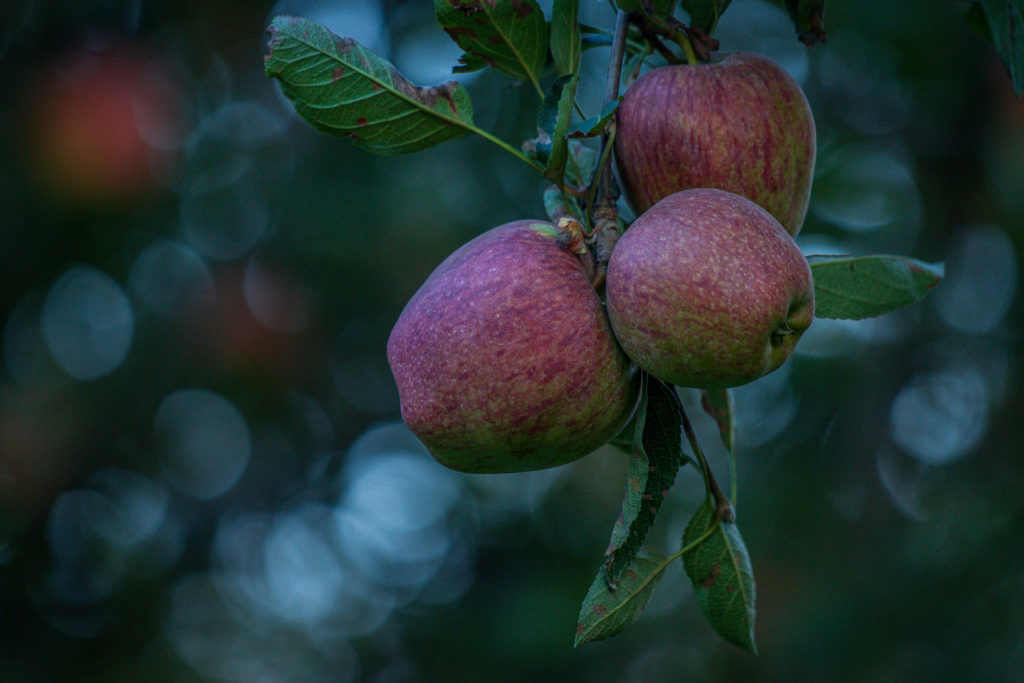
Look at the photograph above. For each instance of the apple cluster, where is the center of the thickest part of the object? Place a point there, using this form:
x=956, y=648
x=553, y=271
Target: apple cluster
x=507, y=359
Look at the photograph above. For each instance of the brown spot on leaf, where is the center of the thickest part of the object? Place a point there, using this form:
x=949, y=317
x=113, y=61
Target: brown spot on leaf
x=495, y=40
x=338, y=73
x=456, y=31
x=522, y=9
x=361, y=121
x=428, y=96
x=918, y=269
x=712, y=576
x=600, y=610
x=470, y=6
x=344, y=45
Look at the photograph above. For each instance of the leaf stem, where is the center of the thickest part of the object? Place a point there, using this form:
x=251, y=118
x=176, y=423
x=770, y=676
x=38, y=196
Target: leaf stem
x=683, y=41
x=689, y=547
x=663, y=565
x=504, y=145
x=732, y=476
x=692, y=545
x=723, y=507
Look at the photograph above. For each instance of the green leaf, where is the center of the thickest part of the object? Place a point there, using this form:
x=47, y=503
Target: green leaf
x=553, y=122
x=595, y=125
x=655, y=459
x=584, y=160
x=855, y=287
x=1005, y=23
x=341, y=88
x=508, y=35
x=718, y=403
x=809, y=19
x=723, y=580
x=704, y=14
x=606, y=610
x=566, y=40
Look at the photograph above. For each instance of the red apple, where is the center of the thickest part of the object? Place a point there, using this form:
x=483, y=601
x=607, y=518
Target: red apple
x=504, y=358
x=739, y=123
x=706, y=289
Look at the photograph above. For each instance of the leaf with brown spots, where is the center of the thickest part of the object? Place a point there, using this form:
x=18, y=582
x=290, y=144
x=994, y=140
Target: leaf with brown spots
x=607, y=611
x=340, y=87
x=655, y=458
x=855, y=287
x=508, y=35
x=723, y=581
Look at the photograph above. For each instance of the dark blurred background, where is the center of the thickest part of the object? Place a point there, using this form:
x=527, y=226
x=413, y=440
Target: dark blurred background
x=202, y=471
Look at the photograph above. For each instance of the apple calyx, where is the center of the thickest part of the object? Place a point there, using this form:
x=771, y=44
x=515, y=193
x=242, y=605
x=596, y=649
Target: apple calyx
x=571, y=235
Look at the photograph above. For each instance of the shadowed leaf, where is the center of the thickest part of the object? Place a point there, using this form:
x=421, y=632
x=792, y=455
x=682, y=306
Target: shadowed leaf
x=595, y=125
x=508, y=35
x=854, y=287
x=553, y=122
x=809, y=19
x=566, y=41
x=340, y=87
x=704, y=14
x=1003, y=21
x=654, y=461
x=722, y=577
x=606, y=611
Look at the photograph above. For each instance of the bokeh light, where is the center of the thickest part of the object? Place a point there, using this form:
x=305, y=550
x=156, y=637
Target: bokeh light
x=203, y=441
x=87, y=323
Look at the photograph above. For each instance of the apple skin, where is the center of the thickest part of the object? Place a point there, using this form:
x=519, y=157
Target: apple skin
x=505, y=360
x=706, y=289
x=739, y=123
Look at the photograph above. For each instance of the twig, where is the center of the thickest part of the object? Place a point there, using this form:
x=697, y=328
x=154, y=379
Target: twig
x=723, y=506
x=604, y=192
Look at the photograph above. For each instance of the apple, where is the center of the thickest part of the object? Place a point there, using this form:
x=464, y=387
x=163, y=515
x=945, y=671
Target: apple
x=738, y=123
x=505, y=360
x=706, y=289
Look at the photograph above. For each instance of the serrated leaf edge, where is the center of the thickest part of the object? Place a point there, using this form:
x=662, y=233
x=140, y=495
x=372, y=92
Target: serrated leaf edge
x=275, y=29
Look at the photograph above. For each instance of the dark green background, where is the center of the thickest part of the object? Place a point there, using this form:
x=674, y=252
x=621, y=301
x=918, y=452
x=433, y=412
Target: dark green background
x=230, y=497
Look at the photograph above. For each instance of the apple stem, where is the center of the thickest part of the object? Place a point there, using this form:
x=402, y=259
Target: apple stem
x=650, y=31
x=683, y=40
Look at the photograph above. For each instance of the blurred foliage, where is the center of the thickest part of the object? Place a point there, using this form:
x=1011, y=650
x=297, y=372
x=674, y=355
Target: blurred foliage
x=201, y=472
